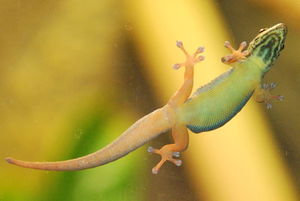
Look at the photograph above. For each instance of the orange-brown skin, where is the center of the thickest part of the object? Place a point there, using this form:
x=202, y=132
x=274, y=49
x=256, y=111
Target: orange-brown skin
x=139, y=133
x=179, y=131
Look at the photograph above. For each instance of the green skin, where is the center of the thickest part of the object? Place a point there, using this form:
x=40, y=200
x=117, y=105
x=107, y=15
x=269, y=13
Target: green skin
x=217, y=102
x=210, y=107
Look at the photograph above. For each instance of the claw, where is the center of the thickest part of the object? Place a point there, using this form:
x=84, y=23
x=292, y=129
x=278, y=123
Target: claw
x=265, y=86
x=176, y=154
x=179, y=44
x=228, y=45
x=200, y=58
x=273, y=85
x=242, y=46
x=154, y=171
x=199, y=50
x=280, y=98
x=176, y=66
x=178, y=163
x=150, y=149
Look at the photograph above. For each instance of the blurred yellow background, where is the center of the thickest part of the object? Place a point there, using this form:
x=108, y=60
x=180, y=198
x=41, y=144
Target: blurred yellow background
x=74, y=75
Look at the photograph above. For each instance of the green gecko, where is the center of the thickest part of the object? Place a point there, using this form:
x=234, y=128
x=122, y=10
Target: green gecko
x=209, y=108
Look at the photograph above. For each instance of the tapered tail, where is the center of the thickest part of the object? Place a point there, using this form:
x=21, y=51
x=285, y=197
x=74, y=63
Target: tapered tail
x=150, y=126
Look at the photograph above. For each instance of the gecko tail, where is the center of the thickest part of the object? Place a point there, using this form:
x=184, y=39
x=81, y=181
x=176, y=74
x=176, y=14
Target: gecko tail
x=145, y=129
x=19, y=162
x=10, y=160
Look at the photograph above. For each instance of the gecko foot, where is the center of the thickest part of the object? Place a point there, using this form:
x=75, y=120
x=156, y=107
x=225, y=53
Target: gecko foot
x=191, y=60
x=166, y=155
x=265, y=96
x=236, y=55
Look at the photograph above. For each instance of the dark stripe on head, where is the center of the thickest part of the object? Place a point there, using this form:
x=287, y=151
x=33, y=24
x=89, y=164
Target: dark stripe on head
x=268, y=44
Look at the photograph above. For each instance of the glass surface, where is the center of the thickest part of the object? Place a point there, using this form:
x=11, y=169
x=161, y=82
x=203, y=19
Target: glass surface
x=76, y=74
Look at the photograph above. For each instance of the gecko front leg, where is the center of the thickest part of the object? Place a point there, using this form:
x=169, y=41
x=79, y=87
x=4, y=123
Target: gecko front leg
x=236, y=55
x=263, y=95
x=179, y=131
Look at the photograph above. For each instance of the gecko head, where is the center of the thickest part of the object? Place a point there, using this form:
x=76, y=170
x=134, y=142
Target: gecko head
x=267, y=45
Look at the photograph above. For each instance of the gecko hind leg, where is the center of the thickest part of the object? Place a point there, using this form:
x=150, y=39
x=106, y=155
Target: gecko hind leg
x=263, y=95
x=167, y=152
x=166, y=155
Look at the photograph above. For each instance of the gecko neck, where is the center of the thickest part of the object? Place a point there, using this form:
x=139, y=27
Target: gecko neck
x=257, y=62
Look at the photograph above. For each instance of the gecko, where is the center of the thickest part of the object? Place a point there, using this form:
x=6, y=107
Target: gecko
x=208, y=108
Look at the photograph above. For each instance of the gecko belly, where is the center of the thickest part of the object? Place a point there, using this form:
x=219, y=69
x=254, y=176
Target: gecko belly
x=211, y=122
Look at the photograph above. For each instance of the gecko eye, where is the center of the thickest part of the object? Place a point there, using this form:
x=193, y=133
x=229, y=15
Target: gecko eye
x=262, y=30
